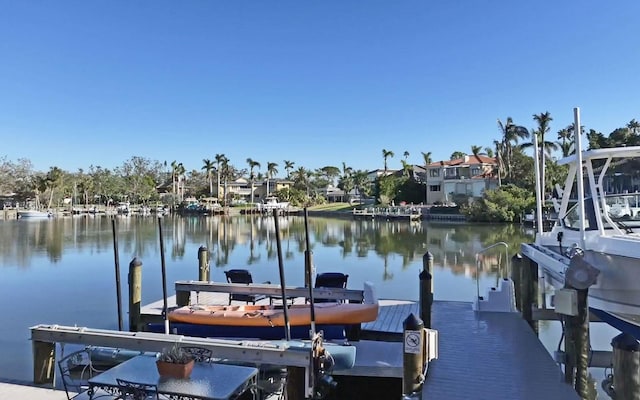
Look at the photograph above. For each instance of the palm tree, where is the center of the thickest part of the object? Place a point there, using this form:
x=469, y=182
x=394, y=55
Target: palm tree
x=511, y=133
x=180, y=170
x=386, y=154
x=300, y=179
x=543, y=120
x=272, y=170
x=565, y=140
x=426, y=157
x=174, y=167
x=53, y=180
x=361, y=181
x=475, y=150
x=225, y=174
x=406, y=155
x=457, y=154
x=488, y=151
x=633, y=126
x=252, y=165
x=209, y=167
x=219, y=159
x=288, y=166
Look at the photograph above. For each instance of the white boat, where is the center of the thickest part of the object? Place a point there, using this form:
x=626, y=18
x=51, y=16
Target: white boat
x=34, y=214
x=598, y=237
x=271, y=203
x=123, y=208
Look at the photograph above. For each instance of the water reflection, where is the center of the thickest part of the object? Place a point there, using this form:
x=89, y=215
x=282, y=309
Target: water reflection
x=252, y=241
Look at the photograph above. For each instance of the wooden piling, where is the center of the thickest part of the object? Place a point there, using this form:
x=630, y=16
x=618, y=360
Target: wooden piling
x=204, y=274
x=135, y=294
x=426, y=289
x=516, y=268
x=529, y=297
x=413, y=355
x=626, y=367
x=295, y=383
x=582, y=346
x=44, y=356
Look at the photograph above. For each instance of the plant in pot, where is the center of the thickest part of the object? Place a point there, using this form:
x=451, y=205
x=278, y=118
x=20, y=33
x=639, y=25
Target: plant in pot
x=175, y=362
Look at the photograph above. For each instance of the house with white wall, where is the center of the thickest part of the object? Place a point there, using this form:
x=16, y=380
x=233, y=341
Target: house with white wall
x=469, y=175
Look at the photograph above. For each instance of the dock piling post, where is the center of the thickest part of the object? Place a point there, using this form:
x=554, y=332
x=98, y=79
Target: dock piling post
x=135, y=293
x=413, y=355
x=516, y=268
x=44, y=356
x=581, y=344
x=529, y=298
x=426, y=289
x=204, y=274
x=626, y=367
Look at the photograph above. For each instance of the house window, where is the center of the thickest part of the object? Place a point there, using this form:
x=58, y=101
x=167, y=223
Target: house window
x=434, y=188
x=475, y=171
x=434, y=173
x=451, y=173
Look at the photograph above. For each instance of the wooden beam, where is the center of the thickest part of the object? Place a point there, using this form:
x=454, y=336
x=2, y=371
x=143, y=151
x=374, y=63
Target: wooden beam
x=261, y=352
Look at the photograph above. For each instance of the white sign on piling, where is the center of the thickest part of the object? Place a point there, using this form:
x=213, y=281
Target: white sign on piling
x=413, y=342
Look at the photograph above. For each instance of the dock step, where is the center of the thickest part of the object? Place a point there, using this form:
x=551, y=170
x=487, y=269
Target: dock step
x=501, y=299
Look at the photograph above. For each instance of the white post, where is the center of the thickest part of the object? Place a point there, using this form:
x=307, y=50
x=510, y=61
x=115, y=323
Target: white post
x=539, y=195
x=580, y=173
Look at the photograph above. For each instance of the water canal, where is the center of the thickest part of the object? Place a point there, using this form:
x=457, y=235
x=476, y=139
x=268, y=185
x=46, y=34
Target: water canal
x=61, y=270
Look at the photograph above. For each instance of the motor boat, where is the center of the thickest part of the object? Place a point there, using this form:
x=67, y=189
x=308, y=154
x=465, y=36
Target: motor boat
x=598, y=230
x=34, y=214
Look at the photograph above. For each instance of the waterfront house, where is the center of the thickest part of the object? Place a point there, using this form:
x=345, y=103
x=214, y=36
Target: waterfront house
x=469, y=175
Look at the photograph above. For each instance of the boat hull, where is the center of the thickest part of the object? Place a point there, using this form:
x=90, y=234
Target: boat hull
x=33, y=214
x=269, y=316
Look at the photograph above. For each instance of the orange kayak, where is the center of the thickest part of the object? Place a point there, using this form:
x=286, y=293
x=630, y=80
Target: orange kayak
x=273, y=315
x=265, y=315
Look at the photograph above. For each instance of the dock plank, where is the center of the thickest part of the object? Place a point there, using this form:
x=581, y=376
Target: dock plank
x=490, y=356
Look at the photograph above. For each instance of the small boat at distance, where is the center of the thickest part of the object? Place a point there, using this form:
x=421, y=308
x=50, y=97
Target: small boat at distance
x=34, y=214
x=273, y=315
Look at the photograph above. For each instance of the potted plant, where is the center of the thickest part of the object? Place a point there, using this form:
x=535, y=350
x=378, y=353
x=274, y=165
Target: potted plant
x=175, y=362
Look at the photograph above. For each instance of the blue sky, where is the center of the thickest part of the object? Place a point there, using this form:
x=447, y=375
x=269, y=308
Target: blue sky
x=315, y=82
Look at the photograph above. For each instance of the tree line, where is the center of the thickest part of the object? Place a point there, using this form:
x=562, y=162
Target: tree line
x=138, y=179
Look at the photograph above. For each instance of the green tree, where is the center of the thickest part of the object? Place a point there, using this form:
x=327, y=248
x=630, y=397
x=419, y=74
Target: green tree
x=272, y=170
x=208, y=166
x=53, y=181
x=252, y=164
x=457, y=154
x=475, y=150
x=385, y=155
x=511, y=134
x=544, y=146
x=220, y=158
x=288, y=166
x=426, y=157
x=504, y=204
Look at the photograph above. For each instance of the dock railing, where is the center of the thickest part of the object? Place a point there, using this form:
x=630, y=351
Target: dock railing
x=479, y=261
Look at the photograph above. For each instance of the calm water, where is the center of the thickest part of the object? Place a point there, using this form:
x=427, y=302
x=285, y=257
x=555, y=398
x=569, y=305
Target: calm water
x=61, y=270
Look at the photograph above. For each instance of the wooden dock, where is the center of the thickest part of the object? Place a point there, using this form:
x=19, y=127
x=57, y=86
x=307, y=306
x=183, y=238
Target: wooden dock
x=481, y=355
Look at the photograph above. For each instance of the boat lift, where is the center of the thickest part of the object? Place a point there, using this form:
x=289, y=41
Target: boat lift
x=312, y=356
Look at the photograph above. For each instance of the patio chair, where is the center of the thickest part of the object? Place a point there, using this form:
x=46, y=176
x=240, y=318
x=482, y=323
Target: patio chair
x=130, y=390
x=75, y=370
x=242, y=276
x=330, y=280
x=272, y=383
x=199, y=354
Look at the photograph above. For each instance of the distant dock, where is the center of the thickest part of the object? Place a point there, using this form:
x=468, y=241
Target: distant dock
x=410, y=213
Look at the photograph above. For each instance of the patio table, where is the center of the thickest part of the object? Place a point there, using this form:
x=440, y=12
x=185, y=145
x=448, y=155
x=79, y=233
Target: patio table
x=208, y=381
